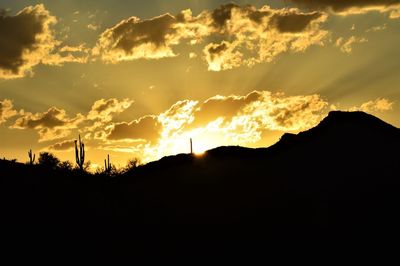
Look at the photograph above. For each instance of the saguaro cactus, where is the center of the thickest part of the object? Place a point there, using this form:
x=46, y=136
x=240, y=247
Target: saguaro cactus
x=31, y=158
x=191, y=146
x=107, y=165
x=80, y=153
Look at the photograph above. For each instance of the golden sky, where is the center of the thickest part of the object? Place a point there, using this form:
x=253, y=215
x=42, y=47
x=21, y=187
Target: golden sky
x=140, y=79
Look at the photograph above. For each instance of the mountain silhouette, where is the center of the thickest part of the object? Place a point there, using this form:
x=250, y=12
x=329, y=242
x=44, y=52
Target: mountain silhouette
x=343, y=168
x=342, y=174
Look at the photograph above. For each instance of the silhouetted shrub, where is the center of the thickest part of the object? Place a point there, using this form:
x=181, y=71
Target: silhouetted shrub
x=66, y=166
x=48, y=160
x=86, y=166
x=131, y=165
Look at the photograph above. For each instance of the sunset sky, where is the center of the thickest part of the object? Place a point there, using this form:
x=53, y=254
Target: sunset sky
x=140, y=78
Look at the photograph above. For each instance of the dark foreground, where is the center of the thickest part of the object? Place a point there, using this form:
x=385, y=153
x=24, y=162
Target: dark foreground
x=341, y=176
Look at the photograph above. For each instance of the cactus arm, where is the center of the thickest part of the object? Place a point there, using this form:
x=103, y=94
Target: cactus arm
x=76, y=153
x=31, y=158
x=80, y=153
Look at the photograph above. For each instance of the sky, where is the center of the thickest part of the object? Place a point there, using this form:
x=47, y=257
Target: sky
x=138, y=79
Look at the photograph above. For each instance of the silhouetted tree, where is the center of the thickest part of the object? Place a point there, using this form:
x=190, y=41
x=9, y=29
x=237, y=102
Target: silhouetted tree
x=66, y=166
x=131, y=165
x=86, y=166
x=48, y=160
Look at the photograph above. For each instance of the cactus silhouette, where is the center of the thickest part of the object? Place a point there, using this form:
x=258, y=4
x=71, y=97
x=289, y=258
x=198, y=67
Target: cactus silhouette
x=31, y=158
x=80, y=153
x=107, y=165
x=191, y=146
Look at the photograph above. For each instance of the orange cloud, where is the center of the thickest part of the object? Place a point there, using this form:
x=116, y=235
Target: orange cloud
x=146, y=128
x=260, y=35
x=67, y=54
x=6, y=110
x=52, y=124
x=346, y=46
x=222, y=56
x=346, y=7
x=56, y=124
x=63, y=146
x=377, y=105
x=104, y=110
x=246, y=120
x=134, y=38
x=249, y=35
x=220, y=120
x=27, y=39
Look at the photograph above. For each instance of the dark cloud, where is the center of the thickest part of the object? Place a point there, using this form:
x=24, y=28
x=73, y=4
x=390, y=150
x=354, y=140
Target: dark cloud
x=147, y=128
x=219, y=106
x=293, y=21
x=135, y=38
x=344, y=5
x=62, y=146
x=243, y=33
x=258, y=15
x=222, y=14
x=55, y=123
x=223, y=56
x=218, y=48
x=134, y=33
x=24, y=39
x=104, y=110
x=52, y=118
x=52, y=124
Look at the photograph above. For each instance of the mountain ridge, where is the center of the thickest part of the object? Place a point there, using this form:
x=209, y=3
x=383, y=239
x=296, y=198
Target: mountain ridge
x=330, y=122
x=343, y=172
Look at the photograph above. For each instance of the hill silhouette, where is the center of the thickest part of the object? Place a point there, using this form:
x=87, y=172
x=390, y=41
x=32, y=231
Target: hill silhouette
x=343, y=173
x=344, y=170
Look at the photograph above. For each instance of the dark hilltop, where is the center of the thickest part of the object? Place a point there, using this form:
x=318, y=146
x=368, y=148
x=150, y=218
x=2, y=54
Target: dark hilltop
x=344, y=173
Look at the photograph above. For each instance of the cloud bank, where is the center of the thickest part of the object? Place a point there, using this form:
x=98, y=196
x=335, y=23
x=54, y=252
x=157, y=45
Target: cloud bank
x=350, y=7
x=248, y=120
x=55, y=124
x=219, y=120
x=27, y=40
x=24, y=40
x=249, y=35
x=52, y=124
x=229, y=36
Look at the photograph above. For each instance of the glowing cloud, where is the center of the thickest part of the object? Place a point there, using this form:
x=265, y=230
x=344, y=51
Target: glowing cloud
x=346, y=46
x=381, y=104
x=28, y=40
x=103, y=110
x=246, y=120
x=55, y=123
x=146, y=128
x=377, y=105
x=346, y=7
x=6, y=110
x=52, y=124
x=134, y=38
x=250, y=35
x=229, y=120
x=63, y=146
x=222, y=56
